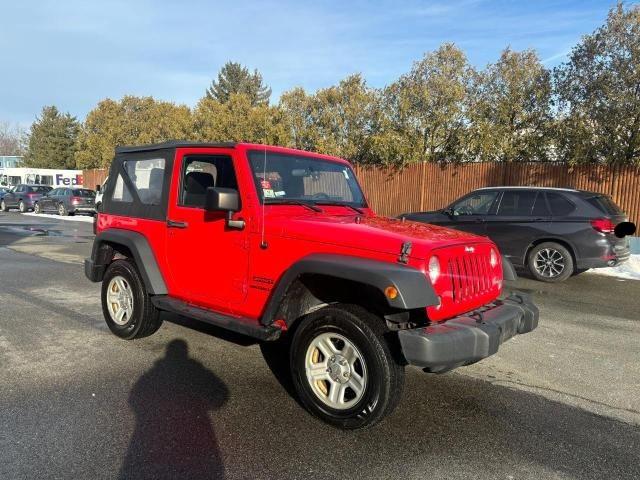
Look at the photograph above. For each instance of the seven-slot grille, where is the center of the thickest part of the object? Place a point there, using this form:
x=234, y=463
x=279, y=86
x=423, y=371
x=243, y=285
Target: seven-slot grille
x=470, y=275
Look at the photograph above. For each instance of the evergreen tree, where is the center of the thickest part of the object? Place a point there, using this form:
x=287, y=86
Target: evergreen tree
x=52, y=142
x=234, y=78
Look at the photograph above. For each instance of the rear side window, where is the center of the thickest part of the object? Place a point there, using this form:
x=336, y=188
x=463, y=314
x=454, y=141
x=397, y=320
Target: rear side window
x=517, y=203
x=605, y=205
x=559, y=205
x=147, y=177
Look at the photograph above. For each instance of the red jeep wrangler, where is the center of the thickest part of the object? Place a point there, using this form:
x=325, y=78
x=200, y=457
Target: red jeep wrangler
x=281, y=245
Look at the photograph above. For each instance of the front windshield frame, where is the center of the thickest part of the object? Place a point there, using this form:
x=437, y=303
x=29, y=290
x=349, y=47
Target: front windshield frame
x=255, y=159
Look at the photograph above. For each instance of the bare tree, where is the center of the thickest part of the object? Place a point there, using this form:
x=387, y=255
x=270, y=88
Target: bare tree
x=12, y=138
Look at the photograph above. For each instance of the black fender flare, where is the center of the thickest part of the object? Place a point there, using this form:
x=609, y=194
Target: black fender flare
x=414, y=288
x=142, y=253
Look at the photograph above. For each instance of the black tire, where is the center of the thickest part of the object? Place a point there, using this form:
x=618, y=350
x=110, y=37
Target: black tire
x=544, y=271
x=384, y=377
x=3, y=206
x=36, y=208
x=145, y=318
x=22, y=207
x=62, y=210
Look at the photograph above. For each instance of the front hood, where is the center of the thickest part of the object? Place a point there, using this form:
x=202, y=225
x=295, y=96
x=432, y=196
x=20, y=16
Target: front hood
x=379, y=234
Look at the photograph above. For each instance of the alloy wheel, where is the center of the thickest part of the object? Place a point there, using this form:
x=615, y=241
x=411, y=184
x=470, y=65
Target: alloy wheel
x=549, y=262
x=336, y=371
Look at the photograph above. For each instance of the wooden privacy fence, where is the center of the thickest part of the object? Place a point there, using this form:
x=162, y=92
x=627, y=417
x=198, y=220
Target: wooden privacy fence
x=429, y=186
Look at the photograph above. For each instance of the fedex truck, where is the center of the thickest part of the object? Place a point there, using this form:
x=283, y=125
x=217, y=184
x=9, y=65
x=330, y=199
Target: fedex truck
x=41, y=176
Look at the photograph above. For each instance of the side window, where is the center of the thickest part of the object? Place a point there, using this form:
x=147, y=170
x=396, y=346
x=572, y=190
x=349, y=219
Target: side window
x=517, y=203
x=200, y=172
x=476, y=204
x=147, y=177
x=540, y=206
x=559, y=205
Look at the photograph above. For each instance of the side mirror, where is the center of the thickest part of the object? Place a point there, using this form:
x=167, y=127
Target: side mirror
x=98, y=188
x=226, y=200
x=448, y=212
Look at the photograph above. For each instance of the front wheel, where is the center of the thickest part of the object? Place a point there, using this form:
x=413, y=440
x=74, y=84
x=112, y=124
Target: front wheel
x=126, y=305
x=37, y=209
x=550, y=262
x=342, y=368
x=22, y=207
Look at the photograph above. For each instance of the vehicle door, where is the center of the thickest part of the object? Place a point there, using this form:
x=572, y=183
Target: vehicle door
x=208, y=260
x=469, y=213
x=47, y=199
x=521, y=218
x=11, y=198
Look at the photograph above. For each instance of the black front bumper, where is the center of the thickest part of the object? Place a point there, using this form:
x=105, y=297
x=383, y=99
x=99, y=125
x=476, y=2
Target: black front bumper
x=471, y=337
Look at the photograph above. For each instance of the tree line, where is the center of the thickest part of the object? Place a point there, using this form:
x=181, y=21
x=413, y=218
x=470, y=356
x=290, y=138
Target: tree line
x=586, y=110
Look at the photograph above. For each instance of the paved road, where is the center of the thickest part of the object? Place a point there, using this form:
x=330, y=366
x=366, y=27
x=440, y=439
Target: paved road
x=76, y=402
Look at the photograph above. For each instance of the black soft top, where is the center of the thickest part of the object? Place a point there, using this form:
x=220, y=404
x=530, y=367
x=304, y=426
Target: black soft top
x=171, y=144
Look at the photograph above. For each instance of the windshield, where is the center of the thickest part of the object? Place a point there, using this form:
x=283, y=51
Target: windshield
x=285, y=178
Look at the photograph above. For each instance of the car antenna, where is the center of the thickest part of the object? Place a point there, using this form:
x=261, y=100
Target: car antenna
x=263, y=242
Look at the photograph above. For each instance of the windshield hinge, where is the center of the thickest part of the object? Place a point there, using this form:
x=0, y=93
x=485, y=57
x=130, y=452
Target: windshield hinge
x=405, y=251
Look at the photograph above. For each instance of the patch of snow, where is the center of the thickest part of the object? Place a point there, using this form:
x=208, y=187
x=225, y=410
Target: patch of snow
x=74, y=218
x=629, y=270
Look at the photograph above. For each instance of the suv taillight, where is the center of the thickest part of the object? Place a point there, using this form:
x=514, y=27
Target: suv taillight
x=76, y=200
x=603, y=225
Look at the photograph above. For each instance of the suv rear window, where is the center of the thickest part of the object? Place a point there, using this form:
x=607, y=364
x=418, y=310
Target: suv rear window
x=604, y=204
x=559, y=205
x=38, y=189
x=82, y=192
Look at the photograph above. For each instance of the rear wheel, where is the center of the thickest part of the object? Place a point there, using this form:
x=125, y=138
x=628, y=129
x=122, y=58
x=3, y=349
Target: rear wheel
x=550, y=262
x=126, y=305
x=342, y=368
x=62, y=210
x=3, y=206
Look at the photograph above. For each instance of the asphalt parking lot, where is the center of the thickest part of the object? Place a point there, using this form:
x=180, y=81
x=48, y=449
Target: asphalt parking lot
x=191, y=402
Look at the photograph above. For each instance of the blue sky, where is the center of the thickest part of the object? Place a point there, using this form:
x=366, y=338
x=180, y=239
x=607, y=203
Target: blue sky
x=73, y=53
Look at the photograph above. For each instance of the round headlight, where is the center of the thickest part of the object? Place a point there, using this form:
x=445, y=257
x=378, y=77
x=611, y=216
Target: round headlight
x=493, y=258
x=434, y=269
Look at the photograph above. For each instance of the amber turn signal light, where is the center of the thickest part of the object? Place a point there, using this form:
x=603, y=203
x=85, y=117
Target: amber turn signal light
x=391, y=292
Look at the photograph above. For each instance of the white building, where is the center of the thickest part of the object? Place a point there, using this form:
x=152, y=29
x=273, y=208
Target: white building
x=40, y=176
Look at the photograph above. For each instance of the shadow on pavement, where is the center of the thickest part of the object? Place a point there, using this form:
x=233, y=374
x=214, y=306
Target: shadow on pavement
x=173, y=436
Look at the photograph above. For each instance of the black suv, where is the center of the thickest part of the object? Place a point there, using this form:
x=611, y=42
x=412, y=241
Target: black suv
x=555, y=232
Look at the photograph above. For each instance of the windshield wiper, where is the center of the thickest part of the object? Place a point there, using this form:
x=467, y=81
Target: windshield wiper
x=289, y=201
x=342, y=204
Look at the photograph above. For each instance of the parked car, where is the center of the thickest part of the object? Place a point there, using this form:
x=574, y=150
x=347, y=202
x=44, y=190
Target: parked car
x=4, y=190
x=100, y=193
x=66, y=201
x=23, y=197
x=554, y=232
x=280, y=244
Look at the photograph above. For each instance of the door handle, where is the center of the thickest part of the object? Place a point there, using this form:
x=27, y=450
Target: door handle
x=176, y=224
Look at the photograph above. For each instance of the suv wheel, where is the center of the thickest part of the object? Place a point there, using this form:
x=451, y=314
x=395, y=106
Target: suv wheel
x=3, y=206
x=342, y=368
x=62, y=210
x=126, y=305
x=36, y=208
x=550, y=262
x=22, y=207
